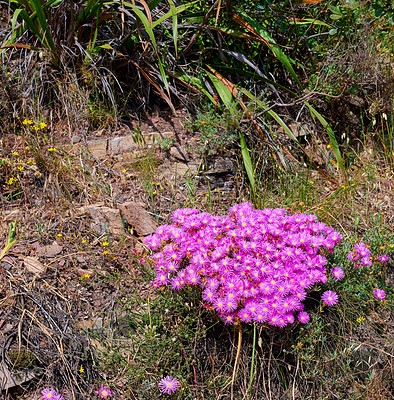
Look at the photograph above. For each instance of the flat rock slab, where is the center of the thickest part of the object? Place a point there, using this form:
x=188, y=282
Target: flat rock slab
x=105, y=219
x=50, y=250
x=102, y=148
x=137, y=217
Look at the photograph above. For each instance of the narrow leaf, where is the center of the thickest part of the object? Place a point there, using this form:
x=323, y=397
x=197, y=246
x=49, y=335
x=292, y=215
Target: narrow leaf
x=247, y=162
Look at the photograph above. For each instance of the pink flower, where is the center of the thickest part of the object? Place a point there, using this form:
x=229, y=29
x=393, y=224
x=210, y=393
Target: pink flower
x=383, y=258
x=303, y=317
x=330, y=297
x=169, y=385
x=48, y=394
x=104, y=392
x=338, y=273
x=379, y=294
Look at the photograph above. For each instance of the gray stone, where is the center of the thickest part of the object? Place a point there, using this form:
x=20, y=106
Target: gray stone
x=105, y=220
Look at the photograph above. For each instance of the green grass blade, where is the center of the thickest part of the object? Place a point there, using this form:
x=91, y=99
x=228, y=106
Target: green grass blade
x=282, y=57
x=247, y=162
x=331, y=135
x=223, y=92
x=168, y=14
x=196, y=83
x=151, y=34
x=174, y=25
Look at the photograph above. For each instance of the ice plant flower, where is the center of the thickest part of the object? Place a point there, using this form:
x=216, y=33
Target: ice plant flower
x=379, y=294
x=104, y=392
x=383, y=258
x=251, y=265
x=338, y=273
x=330, y=297
x=303, y=317
x=169, y=385
x=48, y=393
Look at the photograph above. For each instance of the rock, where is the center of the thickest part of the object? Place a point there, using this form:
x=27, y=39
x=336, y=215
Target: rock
x=119, y=145
x=220, y=165
x=50, y=250
x=179, y=153
x=76, y=139
x=10, y=379
x=33, y=265
x=105, y=220
x=137, y=217
x=171, y=170
x=98, y=148
x=12, y=215
x=81, y=272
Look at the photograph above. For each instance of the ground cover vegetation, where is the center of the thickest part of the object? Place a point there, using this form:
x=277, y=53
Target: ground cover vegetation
x=270, y=274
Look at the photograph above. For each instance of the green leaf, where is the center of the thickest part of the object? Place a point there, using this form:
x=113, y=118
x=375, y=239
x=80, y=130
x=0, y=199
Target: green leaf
x=331, y=135
x=282, y=57
x=151, y=34
x=174, y=14
x=223, y=92
x=247, y=162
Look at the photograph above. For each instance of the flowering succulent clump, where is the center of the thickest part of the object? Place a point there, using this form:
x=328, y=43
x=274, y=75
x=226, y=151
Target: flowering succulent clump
x=361, y=255
x=251, y=265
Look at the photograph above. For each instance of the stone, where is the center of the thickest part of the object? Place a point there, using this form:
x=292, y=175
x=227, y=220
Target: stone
x=105, y=220
x=12, y=215
x=33, y=265
x=120, y=145
x=10, y=379
x=179, y=153
x=137, y=217
x=98, y=148
x=220, y=165
x=50, y=251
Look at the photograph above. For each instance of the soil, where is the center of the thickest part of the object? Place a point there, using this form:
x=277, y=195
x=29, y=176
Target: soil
x=71, y=262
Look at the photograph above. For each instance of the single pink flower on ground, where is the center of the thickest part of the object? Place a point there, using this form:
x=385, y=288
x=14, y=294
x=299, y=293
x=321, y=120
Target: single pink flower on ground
x=379, y=294
x=383, y=258
x=169, y=385
x=338, y=273
x=48, y=394
x=330, y=297
x=104, y=392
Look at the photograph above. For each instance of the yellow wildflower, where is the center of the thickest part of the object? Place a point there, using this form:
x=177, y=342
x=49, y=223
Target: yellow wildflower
x=104, y=244
x=27, y=122
x=81, y=370
x=20, y=167
x=11, y=181
x=43, y=125
x=15, y=153
x=51, y=149
x=105, y=252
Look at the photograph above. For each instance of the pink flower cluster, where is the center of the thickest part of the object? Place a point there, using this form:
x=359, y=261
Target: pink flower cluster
x=361, y=255
x=251, y=265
